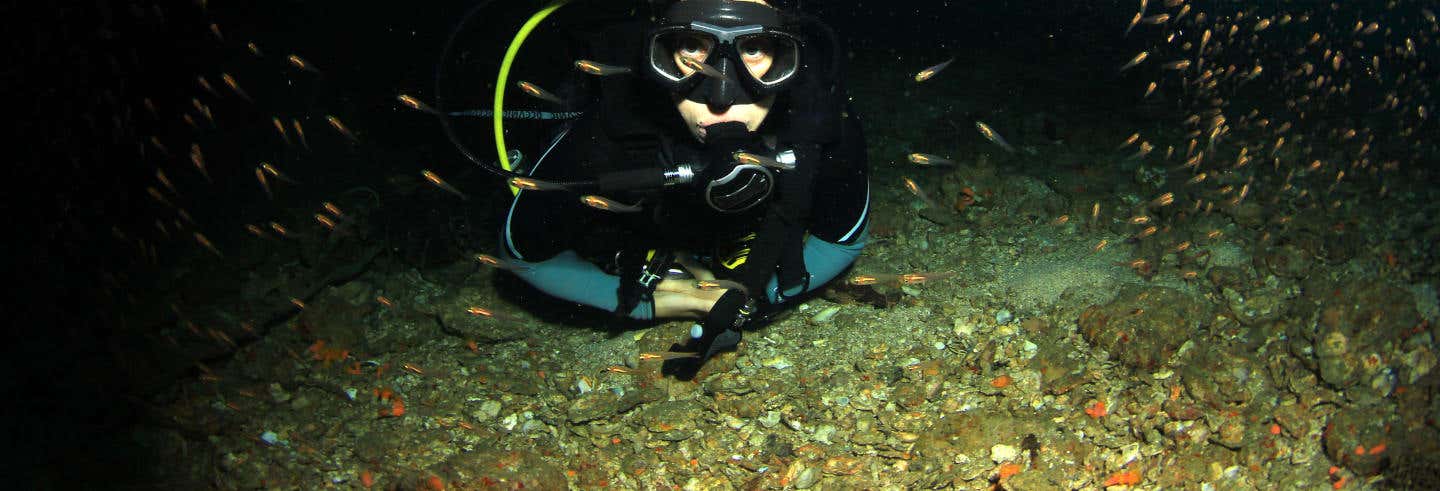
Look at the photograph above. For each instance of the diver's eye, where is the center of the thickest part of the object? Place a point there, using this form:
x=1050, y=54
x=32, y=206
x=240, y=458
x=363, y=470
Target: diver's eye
x=756, y=48
x=693, y=47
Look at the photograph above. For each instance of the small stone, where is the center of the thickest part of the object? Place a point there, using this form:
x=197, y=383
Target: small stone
x=1003, y=453
x=489, y=410
x=807, y=478
x=270, y=437
x=963, y=328
x=826, y=315
x=823, y=434
x=1004, y=317
x=278, y=393
x=778, y=363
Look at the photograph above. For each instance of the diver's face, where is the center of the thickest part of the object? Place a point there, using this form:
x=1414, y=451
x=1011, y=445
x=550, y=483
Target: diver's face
x=757, y=57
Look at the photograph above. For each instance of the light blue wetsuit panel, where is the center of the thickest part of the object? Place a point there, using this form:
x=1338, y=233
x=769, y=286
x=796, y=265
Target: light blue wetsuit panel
x=569, y=277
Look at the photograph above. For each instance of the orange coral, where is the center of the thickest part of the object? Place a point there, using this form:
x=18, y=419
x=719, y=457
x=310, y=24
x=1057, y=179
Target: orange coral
x=1096, y=410
x=1123, y=478
x=1001, y=382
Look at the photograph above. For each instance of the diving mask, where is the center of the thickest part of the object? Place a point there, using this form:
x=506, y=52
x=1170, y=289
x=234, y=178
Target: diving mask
x=723, y=52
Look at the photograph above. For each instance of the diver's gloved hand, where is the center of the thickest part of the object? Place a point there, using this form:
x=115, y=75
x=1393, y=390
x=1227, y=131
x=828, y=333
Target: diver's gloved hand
x=718, y=331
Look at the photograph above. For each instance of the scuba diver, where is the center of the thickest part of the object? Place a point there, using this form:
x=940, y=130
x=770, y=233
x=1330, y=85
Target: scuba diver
x=727, y=172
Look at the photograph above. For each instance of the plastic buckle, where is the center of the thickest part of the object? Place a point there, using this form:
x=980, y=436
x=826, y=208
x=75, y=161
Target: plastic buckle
x=742, y=315
x=647, y=279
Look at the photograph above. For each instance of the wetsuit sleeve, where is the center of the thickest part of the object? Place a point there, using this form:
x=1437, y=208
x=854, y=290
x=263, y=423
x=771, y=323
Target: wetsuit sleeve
x=839, y=214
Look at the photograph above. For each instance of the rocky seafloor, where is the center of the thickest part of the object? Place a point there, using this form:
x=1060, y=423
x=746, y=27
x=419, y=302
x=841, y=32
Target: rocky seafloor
x=1254, y=349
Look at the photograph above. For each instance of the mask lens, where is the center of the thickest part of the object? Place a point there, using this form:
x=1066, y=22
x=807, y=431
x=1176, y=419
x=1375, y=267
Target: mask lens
x=668, y=47
x=771, y=58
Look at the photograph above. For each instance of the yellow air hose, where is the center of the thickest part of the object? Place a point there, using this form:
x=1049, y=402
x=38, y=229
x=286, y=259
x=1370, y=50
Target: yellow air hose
x=503, y=80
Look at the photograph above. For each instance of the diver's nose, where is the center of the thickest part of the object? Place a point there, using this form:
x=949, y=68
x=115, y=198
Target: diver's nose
x=724, y=91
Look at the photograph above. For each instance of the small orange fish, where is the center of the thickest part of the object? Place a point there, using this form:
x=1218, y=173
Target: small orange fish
x=280, y=127
x=667, y=355
x=1134, y=21
x=484, y=312
x=624, y=370
x=607, y=204
x=994, y=136
x=300, y=133
x=198, y=158
x=919, y=193
x=1156, y=19
x=298, y=62
x=1145, y=149
x=535, y=91
x=872, y=279
x=204, y=84
x=930, y=72
x=761, y=160
x=160, y=176
x=535, y=184
x=155, y=193
x=235, y=87
x=600, y=69
x=414, y=103
x=496, y=262
x=913, y=278
x=260, y=176
x=1139, y=58
x=328, y=222
x=927, y=159
x=340, y=127
x=721, y=285
x=701, y=67
x=1176, y=65
x=438, y=182
x=270, y=169
x=205, y=242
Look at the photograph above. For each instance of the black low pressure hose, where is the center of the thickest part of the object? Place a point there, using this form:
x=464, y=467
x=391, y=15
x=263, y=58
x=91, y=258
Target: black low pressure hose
x=445, y=118
x=830, y=36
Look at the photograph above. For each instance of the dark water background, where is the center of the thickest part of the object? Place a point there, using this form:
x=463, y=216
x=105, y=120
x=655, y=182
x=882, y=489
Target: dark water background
x=76, y=167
